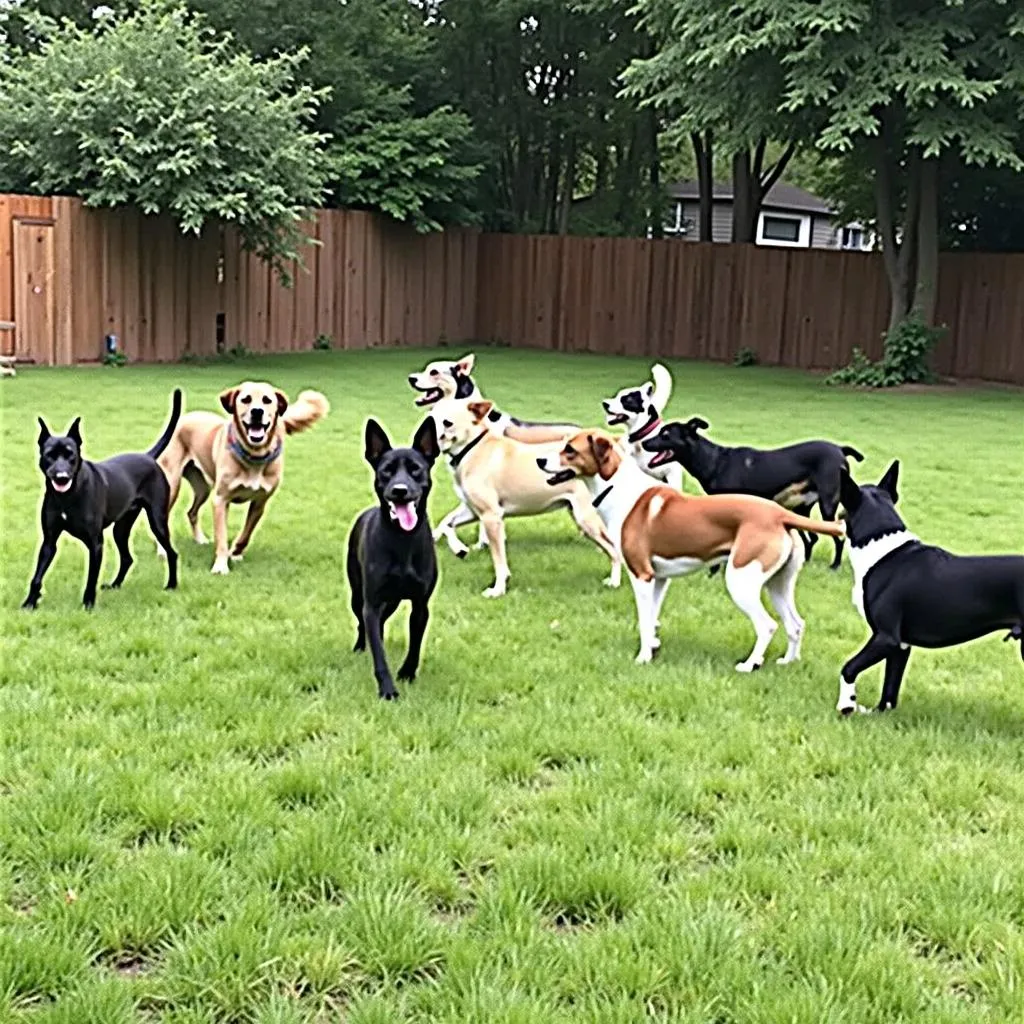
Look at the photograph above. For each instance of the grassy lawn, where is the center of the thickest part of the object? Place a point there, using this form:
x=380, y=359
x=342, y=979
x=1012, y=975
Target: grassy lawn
x=206, y=814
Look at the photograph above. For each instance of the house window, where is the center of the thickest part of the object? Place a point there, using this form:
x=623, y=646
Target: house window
x=853, y=238
x=780, y=229
x=675, y=224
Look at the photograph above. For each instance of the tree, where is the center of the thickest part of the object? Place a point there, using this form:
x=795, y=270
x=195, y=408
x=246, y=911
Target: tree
x=154, y=110
x=717, y=99
x=397, y=145
x=906, y=85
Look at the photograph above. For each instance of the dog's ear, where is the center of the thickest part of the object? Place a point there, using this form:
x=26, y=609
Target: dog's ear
x=282, y=402
x=888, y=482
x=696, y=423
x=464, y=367
x=44, y=432
x=849, y=492
x=425, y=441
x=601, y=448
x=228, y=399
x=75, y=431
x=479, y=410
x=377, y=443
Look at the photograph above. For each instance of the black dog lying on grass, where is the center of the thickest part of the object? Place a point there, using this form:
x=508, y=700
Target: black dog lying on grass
x=85, y=497
x=798, y=476
x=391, y=555
x=917, y=595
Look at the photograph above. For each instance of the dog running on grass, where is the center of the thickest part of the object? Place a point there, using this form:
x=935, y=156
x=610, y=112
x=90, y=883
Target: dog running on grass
x=391, y=555
x=238, y=459
x=913, y=594
x=84, y=498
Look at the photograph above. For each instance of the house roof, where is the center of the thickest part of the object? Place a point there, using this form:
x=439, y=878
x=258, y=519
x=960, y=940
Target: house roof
x=780, y=195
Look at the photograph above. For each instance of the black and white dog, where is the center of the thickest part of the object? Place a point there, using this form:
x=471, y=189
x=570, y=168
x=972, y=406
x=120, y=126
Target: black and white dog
x=917, y=595
x=391, y=554
x=798, y=476
x=83, y=498
x=639, y=410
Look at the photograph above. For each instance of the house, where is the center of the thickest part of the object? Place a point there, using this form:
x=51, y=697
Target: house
x=790, y=217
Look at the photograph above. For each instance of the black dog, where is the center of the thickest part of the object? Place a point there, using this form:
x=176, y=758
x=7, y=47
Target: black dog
x=391, y=551
x=916, y=595
x=85, y=497
x=798, y=476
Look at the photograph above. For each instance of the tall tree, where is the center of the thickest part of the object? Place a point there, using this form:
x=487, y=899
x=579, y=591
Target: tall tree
x=155, y=111
x=906, y=85
x=702, y=89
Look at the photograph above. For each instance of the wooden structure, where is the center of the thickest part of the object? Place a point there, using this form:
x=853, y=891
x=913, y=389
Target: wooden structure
x=69, y=277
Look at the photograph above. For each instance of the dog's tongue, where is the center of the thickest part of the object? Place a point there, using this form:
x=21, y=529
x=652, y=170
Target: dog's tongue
x=61, y=485
x=405, y=513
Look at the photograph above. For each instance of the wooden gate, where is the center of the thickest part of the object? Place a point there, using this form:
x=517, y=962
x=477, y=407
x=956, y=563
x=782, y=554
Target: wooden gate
x=35, y=288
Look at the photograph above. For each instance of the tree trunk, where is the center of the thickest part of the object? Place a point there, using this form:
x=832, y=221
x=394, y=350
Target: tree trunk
x=926, y=285
x=743, y=216
x=703, y=151
x=568, y=188
x=656, y=217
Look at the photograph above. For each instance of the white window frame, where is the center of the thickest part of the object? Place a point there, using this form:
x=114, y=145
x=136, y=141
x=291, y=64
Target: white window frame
x=803, y=234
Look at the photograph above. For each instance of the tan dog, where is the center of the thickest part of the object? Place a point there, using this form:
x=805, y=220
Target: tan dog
x=497, y=477
x=239, y=459
x=664, y=533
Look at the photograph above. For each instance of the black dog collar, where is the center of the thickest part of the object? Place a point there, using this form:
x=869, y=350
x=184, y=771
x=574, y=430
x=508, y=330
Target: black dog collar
x=454, y=460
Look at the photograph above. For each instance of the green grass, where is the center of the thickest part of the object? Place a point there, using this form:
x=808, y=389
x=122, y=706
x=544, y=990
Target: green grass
x=207, y=816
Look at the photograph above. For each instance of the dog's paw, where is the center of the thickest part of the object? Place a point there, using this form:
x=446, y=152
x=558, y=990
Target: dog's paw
x=787, y=659
x=236, y=557
x=160, y=553
x=407, y=673
x=112, y=585
x=852, y=709
x=656, y=644
x=391, y=694
x=220, y=567
x=612, y=581
x=645, y=657
x=748, y=666
x=30, y=603
x=200, y=538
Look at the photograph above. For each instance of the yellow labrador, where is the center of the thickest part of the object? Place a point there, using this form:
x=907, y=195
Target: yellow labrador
x=238, y=459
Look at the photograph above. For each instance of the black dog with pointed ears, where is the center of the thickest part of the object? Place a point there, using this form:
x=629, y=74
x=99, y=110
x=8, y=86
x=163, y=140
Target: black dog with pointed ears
x=391, y=555
x=85, y=498
x=916, y=595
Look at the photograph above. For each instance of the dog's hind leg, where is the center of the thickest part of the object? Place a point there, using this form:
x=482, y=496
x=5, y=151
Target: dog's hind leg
x=156, y=513
x=660, y=590
x=782, y=591
x=200, y=492
x=494, y=523
x=458, y=516
x=122, y=531
x=590, y=523
x=829, y=505
x=879, y=647
x=646, y=617
x=744, y=586
x=355, y=584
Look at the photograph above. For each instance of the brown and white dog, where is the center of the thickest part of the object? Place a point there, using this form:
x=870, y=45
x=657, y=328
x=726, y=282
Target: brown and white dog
x=238, y=459
x=497, y=477
x=663, y=533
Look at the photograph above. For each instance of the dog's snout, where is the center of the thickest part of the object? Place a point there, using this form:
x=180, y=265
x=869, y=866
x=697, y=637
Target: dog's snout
x=256, y=416
x=607, y=405
x=412, y=378
x=542, y=463
x=399, y=492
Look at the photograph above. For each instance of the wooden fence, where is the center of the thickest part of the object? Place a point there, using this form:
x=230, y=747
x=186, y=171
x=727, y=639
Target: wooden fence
x=69, y=276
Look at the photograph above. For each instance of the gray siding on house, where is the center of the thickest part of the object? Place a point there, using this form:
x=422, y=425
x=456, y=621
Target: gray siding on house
x=721, y=221
x=823, y=233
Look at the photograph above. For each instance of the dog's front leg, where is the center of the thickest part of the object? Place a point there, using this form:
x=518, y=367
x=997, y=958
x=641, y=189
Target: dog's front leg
x=494, y=523
x=220, y=535
x=91, y=580
x=374, y=633
x=895, y=666
x=47, y=553
x=252, y=519
x=643, y=593
x=875, y=650
x=417, y=627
